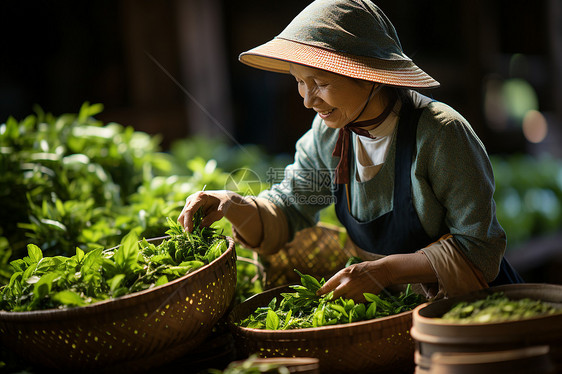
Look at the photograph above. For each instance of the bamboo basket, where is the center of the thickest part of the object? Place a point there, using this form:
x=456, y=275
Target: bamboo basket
x=436, y=337
x=132, y=333
x=321, y=251
x=378, y=345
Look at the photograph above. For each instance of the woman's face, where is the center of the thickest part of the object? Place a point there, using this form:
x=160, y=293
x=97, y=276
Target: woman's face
x=337, y=99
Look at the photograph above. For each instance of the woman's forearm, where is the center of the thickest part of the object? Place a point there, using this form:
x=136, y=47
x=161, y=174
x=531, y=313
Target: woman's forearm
x=409, y=268
x=243, y=214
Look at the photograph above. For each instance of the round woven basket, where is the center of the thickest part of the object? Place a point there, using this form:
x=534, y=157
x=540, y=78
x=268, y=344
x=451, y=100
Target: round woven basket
x=132, y=333
x=435, y=336
x=320, y=250
x=378, y=345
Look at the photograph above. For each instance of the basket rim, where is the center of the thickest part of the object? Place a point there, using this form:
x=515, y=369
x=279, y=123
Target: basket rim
x=347, y=328
x=419, y=319
x=115, y=303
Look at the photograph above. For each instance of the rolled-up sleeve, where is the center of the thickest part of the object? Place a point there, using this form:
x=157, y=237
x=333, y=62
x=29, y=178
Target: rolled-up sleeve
x=456, y=275
x=275, y=232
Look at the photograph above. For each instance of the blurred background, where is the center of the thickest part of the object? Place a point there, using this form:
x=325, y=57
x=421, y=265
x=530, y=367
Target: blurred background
x=170, y=68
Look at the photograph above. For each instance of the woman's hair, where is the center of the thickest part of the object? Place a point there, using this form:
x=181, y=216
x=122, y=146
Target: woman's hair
x=401, y=93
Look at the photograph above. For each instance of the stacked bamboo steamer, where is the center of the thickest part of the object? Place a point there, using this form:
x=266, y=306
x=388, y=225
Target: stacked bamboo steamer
x=490, y=347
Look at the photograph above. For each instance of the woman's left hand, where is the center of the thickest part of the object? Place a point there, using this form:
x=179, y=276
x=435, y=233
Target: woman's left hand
x=351, y=282
x=373, y=276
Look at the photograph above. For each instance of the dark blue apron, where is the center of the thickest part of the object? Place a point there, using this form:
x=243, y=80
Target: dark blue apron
x=400, y=230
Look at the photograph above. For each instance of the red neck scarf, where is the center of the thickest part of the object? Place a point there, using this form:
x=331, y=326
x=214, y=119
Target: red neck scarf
x=342, y=145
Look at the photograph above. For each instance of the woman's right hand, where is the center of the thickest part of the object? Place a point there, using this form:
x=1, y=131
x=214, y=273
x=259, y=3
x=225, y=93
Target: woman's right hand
x=214, y=205
x=239, y=210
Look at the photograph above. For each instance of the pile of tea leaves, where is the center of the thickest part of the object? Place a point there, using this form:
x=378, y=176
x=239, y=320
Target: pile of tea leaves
x=497, y=307
x=304, y=309
x=59, y=282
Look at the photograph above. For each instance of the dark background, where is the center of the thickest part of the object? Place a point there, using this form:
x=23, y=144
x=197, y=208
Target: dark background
x=171, y=67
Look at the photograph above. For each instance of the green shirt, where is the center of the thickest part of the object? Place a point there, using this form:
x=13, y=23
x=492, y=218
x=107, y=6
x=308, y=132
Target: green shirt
x=452, y=183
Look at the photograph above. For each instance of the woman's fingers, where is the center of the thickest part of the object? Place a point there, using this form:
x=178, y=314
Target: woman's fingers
x=346, y=288
x=350, y=290
x=192, y=204
x=338, y=280
x=211, y=217
x=341, y=289
x=355, y=280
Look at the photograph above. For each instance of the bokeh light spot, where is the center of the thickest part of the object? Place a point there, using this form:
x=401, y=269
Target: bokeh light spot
x=535, y=126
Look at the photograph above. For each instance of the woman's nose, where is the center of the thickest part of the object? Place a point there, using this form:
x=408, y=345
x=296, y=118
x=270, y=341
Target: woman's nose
x=308, y=98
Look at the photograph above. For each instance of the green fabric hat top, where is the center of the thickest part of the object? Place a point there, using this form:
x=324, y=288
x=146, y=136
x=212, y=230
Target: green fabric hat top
x=348, y=37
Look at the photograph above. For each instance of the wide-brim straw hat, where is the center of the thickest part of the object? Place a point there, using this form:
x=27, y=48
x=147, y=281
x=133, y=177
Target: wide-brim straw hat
x=348, y=37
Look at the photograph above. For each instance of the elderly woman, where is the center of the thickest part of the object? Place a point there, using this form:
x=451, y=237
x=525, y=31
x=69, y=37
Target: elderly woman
x=411, y=181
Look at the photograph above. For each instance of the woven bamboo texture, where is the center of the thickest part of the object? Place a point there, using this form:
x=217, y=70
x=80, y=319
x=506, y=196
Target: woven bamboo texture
x=378, y=345
x=321, y=251
x=131, y=333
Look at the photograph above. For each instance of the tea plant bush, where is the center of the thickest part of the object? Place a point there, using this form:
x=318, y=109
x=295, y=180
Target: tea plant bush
x=71, y=181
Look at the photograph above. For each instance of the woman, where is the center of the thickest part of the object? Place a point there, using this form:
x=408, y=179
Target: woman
x=411, y=181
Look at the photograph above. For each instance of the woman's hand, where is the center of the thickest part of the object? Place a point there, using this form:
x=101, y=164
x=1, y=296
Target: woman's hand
x=239, y=210
x=351, y=282
x=373, y=276
x=214, y=204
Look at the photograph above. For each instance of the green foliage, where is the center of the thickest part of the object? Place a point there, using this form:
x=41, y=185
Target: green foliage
x=250, y=275
x=70, y=181
x=497, y=307
x=74, y=182
x=528, y=196
x=304, y=309
x=40, y=282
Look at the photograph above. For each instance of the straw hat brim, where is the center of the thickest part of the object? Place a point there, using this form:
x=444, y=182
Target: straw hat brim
x=277, y=55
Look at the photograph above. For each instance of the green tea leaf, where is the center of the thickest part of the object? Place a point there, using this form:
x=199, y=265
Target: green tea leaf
x=18, y=265
x=371, y=311
x=353, y=260
x=70, y=298
x=286, y=324
x=309, y=281
x=115, y=282
x=127, y=251
x=92, y=260
x=34, y=253
x=272, y=320
x=216, y=250
x=272, y=303
x=161, y=280
x=43, y=286
x=357, y=313
x=79, y=255
x=339, y=308
x=370, y=297
x=318, y=318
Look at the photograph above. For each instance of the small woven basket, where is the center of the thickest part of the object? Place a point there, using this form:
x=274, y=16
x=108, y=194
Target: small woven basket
x=132, y=333
x=320, y=250
x=377, y=345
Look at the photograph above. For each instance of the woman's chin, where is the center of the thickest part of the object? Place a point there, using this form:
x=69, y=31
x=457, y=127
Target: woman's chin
x=334, y=125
